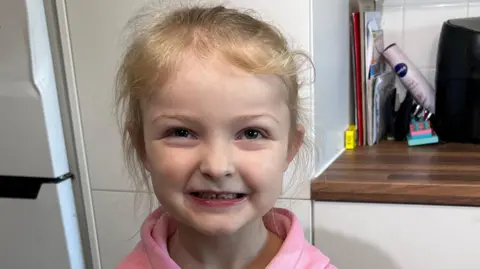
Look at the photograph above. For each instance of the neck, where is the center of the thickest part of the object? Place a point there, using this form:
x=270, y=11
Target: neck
x=253, y=246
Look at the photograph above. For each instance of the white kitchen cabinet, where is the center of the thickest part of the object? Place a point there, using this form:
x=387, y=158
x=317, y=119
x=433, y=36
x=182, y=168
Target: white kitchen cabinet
x=386, y=236
x=118, y=222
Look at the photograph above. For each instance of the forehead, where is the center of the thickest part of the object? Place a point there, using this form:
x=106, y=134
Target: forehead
x=213, y=86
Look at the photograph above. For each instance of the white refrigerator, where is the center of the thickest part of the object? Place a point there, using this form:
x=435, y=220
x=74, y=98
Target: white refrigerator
x=39, y=222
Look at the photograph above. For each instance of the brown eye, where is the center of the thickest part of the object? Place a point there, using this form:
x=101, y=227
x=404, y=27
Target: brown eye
x=180, y=132
x=251, y=134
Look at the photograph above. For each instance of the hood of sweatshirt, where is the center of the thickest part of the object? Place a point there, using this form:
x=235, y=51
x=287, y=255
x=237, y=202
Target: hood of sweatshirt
x=295, y=253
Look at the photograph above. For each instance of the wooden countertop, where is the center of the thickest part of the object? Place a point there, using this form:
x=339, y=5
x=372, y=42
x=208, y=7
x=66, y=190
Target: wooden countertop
x=392, y=172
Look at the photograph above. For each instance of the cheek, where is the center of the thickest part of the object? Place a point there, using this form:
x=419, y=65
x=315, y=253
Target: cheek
x=169, y=167
x=263, y=172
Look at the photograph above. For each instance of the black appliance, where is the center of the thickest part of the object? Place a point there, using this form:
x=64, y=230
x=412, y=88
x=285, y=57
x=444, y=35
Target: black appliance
x=457, y=112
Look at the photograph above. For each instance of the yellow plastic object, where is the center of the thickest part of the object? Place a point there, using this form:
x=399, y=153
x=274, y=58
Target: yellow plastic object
x=351, y=137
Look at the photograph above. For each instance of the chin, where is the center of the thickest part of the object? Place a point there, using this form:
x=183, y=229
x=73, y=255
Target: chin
x=219, y=229
x=218, y=224
x=213, y=221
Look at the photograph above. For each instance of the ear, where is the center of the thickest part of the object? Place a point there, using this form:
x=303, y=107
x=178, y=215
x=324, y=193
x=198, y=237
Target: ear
x=145, y=160
x=143, y=155
x=146, y=164
x=296, y=142
x=142, y=150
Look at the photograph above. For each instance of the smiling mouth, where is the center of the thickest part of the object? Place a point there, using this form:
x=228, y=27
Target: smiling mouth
x=218, y=196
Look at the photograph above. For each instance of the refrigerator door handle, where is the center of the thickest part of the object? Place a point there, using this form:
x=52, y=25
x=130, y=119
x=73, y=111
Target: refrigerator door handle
x=26, y=187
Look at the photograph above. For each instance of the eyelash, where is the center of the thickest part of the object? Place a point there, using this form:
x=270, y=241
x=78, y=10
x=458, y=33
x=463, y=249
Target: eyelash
x=171, y=132
x=260, y=132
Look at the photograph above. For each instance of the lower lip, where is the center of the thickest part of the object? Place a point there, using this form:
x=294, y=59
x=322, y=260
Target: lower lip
x=217, y=202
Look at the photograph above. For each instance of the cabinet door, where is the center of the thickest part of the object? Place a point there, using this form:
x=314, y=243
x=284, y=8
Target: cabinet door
x=95, y=28
x=366, y=236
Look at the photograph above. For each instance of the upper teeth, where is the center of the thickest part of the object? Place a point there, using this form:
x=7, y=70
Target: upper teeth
x=218, y=196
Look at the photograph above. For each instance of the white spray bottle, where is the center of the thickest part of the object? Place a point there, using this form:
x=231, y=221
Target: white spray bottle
x=413, y=80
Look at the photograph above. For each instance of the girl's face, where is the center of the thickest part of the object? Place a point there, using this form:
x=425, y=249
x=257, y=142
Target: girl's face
x=218, y=141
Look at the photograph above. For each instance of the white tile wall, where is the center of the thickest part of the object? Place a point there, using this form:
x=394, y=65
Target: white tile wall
x=415, y=26
x=331, y=52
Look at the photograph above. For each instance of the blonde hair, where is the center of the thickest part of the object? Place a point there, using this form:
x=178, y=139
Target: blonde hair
x=158, y=41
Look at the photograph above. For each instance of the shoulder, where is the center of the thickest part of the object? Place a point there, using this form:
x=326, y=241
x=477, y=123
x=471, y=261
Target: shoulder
x=296, y=252
x=137, y=259
x=313, y=258
x=151, y=251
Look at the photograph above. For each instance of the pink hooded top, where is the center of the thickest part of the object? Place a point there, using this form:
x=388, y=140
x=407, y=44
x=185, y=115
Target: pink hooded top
x=296, y=253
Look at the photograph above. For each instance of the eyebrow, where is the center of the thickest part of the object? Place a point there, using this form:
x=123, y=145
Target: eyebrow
x=256, y=116
x=178, y=117
x=194, y=119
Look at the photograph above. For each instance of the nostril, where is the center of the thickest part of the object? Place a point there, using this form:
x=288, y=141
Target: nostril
x=217, y=171
x=217, y=161
x=217, y=175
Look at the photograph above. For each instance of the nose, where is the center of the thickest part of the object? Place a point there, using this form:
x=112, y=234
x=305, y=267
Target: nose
x=216, y=162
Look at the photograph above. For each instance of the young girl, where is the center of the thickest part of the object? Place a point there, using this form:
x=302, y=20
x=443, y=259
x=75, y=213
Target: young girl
x=211, y=121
